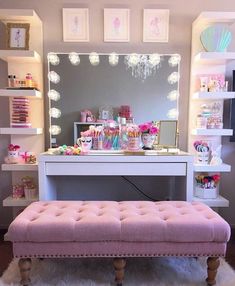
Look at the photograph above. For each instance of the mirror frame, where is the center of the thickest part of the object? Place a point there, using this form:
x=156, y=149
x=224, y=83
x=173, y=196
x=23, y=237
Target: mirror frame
x=51, y=137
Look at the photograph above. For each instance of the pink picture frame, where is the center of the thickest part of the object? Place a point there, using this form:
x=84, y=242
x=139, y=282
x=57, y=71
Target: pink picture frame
x=156, y=25
x=75, y=24
x=116, y=25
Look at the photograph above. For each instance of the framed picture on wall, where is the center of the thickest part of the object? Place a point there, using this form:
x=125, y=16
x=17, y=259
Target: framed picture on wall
x=156, y=25
x=18, y=36
x=116, y=25
x=75, y=25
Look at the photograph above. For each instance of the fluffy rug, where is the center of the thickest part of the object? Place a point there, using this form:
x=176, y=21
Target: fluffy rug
x=139, y=271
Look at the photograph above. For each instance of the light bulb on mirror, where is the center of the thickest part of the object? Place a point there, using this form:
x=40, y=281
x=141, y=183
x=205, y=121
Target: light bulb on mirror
x=154, y=59
x=74, y=58
x=173, y=78
x=174, y=60
x=173, y=95
x=133, y=59
x=53, y=59
x=55, y=130
x=54, y=112
x=113, y=59
x=94, y=59
x=53, y=95
x=53, y=77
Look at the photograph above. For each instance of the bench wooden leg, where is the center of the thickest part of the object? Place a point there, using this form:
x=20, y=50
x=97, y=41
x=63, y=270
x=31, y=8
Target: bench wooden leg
x=25, y=267
x=119, y=266
x=212, y=266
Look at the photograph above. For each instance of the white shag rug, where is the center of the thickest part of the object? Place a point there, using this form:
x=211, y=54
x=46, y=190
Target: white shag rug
x=139, y=271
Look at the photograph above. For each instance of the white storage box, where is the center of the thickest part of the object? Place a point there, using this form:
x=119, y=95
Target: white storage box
x=204, y=193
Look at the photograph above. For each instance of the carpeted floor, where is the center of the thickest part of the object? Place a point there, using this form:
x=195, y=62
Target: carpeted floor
x=139, y=271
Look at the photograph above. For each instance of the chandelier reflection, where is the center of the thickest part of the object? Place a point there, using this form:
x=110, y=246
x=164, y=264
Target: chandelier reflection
x=142, y=66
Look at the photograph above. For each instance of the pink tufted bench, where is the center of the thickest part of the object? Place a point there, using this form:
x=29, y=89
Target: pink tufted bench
x=119, y=230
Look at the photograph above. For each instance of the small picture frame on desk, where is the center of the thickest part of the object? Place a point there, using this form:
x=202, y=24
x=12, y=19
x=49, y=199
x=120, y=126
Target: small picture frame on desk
x=18, y=36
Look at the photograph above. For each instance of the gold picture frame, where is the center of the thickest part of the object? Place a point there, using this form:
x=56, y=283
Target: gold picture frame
x=18, y=36
x=168, y=133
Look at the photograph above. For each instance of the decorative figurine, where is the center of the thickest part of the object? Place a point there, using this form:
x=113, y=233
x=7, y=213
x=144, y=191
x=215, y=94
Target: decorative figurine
x=216, y=160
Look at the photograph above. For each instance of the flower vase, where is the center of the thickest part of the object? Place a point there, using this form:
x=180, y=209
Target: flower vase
x=148, y=141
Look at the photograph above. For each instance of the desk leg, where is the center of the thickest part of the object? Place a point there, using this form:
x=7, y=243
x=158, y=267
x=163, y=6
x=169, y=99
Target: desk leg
x=47, y=186
x=189, y=182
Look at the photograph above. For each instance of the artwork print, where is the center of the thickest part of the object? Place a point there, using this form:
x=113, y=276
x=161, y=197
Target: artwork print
x=156, y=25
x=116, y=25
x=18, y=36
x=75, y=25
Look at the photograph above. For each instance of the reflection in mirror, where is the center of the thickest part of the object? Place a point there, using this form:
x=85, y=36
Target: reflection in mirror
x=168, y=133
x=101, y=84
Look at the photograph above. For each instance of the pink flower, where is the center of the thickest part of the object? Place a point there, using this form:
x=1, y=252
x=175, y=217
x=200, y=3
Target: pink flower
x=144, y=128
x=12, y=147
x=87, y=133
x=149, y=127
x=153, y=130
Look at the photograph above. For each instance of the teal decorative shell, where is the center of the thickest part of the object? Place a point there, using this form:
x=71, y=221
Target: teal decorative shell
x=216, y=38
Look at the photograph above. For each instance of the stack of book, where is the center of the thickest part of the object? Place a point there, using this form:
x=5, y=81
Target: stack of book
x=20, y=112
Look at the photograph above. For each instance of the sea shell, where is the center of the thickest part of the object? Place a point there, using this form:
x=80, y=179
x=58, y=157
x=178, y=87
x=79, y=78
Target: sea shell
x=216, y=38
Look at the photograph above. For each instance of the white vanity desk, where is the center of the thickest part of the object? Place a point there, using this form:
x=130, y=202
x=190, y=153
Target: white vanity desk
x=51, y=166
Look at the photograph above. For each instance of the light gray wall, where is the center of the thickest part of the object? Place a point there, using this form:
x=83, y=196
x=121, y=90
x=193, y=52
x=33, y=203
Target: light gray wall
x=182, y=14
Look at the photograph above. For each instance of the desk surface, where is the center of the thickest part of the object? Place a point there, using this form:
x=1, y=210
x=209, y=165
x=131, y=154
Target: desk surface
x=109, y=158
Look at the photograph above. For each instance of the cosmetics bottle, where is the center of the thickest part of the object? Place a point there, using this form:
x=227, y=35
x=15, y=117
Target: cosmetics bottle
x=11, y=80
x=100, y=141
x=28, y=80
x=123, y=134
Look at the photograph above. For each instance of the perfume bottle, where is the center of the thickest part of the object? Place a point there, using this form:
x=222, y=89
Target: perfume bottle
x=123, y=134
x=29, y=80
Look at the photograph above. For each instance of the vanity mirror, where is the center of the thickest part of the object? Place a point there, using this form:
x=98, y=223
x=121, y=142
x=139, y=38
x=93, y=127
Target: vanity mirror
x=145, y=86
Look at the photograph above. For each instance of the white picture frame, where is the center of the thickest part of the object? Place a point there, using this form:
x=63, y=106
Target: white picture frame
x=75, y=25
x=116, y=25
x=156, y=25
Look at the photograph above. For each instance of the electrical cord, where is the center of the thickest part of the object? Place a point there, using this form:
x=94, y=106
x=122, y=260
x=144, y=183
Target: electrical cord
x=138, y=189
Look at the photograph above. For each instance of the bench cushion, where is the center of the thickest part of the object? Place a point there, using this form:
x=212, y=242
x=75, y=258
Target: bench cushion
x=130, y=221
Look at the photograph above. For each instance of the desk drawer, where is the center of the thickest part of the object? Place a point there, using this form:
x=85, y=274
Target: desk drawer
x=116, y=169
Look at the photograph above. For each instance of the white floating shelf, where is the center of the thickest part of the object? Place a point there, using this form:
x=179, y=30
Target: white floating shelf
x=213, y=95
x=30, y=93
x=22, y=202
x=19, y=15
x=208, y=168
x=206, y=18
x=218, y=202
x=20, y=56
x=212, y=132
x=21, y=131
x=214, y=57
x=19, y=167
